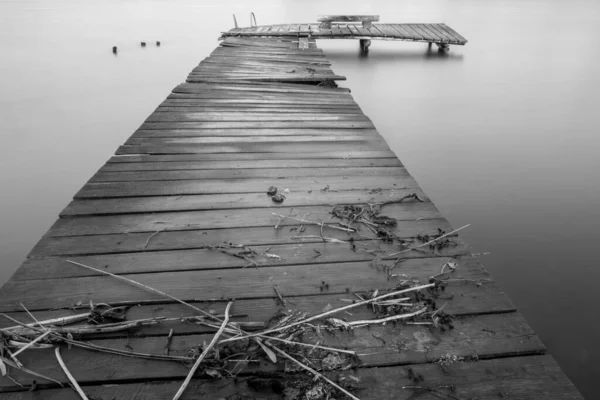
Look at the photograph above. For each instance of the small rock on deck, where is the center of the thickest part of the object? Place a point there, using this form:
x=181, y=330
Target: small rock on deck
x=172, y=208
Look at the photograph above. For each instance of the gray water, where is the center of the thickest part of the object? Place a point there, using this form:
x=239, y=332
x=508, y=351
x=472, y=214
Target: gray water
x=501, y=134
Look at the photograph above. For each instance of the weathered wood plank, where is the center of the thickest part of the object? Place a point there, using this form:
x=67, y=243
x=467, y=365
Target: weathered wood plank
x=48, y=259
x=129, y=205
x=334, y=155
x=253, y=164
x=186, y=107
x=224, y=283
x=406, y=345
x=214, y=219
x=210, y=117
x=355, y=135
x=251, y=147
x=135, y=189
x=527, y=378
x=465, y=301
x=275, y=173
x=347, y=18
x=198, y=239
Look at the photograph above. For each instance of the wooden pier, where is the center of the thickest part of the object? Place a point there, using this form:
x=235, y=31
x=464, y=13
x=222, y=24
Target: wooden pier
x=183, y=208
x=355, y=27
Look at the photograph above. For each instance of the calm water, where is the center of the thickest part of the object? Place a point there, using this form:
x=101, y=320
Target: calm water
x=502, y=134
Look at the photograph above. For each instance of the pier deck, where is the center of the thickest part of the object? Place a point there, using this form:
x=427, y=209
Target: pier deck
x=176, y=203
x=430, y=33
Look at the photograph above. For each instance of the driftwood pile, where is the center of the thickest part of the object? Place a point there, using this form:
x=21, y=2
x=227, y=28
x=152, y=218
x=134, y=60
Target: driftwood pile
x=236, y=345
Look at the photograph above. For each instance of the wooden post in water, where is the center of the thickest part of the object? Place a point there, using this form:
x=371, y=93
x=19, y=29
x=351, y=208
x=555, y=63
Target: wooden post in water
x=364, y=45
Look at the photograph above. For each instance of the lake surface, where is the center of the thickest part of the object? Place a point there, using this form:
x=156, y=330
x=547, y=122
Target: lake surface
x=502, y=133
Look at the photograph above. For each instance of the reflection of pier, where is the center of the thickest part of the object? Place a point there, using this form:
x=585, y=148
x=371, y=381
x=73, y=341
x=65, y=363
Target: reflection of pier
x=261, y=181
x=357, y=27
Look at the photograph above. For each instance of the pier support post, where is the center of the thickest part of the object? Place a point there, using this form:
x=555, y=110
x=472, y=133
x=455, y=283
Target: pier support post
x=442, y=47
x=364, y=45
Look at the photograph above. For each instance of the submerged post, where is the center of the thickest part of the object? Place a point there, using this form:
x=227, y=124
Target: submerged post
x=364, y=45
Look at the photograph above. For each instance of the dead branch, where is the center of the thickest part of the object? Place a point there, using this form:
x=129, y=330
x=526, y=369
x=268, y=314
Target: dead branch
x=333, y=311
x=384, y=320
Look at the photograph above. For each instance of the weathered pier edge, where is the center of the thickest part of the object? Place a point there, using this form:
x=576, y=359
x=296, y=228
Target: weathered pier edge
x=175, y=204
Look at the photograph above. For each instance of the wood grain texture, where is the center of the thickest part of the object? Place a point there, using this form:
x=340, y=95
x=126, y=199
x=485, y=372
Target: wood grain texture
x=194, y=239
x=244, y=283
x=80, y=207
x=485, y=336
x=526, y=378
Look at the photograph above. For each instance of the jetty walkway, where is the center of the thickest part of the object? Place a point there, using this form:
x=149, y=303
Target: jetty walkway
x=261, y=181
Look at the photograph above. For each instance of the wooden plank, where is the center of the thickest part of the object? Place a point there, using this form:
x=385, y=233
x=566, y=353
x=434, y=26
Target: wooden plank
x=226, y=283
x=403, y=32
x=250, y=147
x=197, y=239
x=411, y=31
x=352, y=28
x=387, y=30
x=465, y=301
x=255, y=110
x=53, y=265
x=354, y=154
x=374, y=31
x=225, y=201
x=245, y=117
x=239, y=140
x=530, y=377
x=215, y=219
x=149, y=188
x=347, y=18
x=432, y=34
x=259, y=173
x=203, y=202
x=258, y=124
x=452, y=32
x=512, y=335
x=441, y=33
x=424, y=35
x=257, y=87
x=252, y=164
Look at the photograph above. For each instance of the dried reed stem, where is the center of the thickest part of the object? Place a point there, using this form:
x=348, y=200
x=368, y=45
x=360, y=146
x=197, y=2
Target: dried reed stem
x=333, y=311
x=71, y=378
x=431, y=241
x=315, y=373
x=37, y=339
x=204, y=353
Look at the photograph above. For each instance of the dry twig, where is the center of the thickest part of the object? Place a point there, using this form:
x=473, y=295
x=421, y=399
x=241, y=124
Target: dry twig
x=330, y=312
x=384, y=320
x=308, y=222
